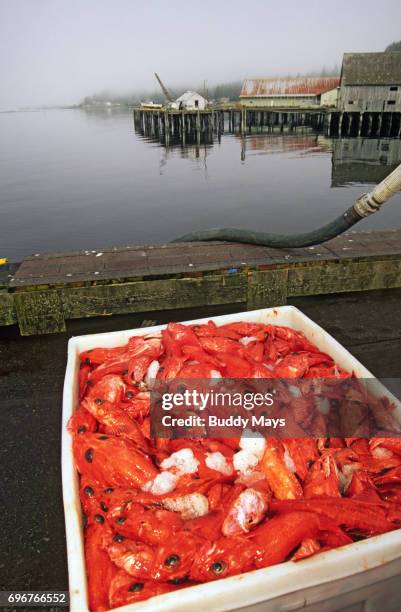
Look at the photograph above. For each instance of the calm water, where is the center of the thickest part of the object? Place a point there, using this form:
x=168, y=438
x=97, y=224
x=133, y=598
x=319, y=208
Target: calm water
x=71, y=179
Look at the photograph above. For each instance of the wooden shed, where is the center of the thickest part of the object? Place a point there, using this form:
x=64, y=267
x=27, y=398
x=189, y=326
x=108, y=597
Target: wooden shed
x=190, y=100
x=370, y=82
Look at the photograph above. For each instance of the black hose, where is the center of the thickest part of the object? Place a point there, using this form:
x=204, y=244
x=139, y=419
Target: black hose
x=322, y=234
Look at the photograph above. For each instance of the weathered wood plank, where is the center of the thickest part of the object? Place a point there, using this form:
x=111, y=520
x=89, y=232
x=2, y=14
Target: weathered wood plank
x=45, y=290
x=267, y=288
x=128, y=263
x=39, y=312
x=7, y=310
x=147, y=296
x=342, y=276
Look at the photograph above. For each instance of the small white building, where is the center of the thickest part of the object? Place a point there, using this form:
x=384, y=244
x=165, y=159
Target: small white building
x=190, y=100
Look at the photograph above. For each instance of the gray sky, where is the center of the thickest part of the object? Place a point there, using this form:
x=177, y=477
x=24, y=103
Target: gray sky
x=58, y=51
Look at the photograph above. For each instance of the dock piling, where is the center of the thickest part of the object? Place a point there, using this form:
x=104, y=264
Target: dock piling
x=243, y=119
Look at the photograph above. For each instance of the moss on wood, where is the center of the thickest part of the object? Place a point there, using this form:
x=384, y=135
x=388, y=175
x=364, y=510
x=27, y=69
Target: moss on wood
x=44, y=310
x=148, y=296
x=7, y=311
x=39, y=312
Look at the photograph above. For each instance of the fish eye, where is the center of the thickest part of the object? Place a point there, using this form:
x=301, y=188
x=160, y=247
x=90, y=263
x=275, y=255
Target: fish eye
x=118, y=538
x=98, y=400
x=135, y=587
x=121, y=520
x=89, y=455
x=172, y=560
x=109, y=490
x=104, y=507
x=99, y=518
x=88, y=491
x=81, y=429
x=218, y=567
x=178, y=580
x=103, y=437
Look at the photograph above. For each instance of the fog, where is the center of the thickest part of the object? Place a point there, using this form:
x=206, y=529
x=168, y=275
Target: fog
x=58, y=51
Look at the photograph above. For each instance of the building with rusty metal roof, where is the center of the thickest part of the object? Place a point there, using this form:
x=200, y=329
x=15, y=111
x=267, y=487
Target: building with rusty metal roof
x=370, y=82
x=297, y=92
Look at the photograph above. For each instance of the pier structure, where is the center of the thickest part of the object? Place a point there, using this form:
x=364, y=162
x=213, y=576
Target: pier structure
x=43, y=292
x=238, y=118
x=235, y=118
x=365, y=124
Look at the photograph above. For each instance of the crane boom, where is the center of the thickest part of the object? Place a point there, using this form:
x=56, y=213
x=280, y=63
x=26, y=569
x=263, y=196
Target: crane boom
x=164, y=88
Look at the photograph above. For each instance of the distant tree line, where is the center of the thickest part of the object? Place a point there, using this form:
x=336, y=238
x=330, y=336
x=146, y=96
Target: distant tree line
x=130, y=99
x=395, y=46
x=226, y=90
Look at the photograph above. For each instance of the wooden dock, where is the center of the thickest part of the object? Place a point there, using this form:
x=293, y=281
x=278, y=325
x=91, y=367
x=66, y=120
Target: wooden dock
x=242, y=119
x=45, y=291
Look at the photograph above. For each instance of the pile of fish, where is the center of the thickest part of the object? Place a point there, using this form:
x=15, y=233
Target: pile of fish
x=165, y=514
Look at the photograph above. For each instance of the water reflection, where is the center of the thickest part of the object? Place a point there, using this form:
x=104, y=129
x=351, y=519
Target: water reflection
x=96, y=183
x=193, y=146
x=354, y=160
x=363, y=160
x=304, y=144
x=270, y=144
